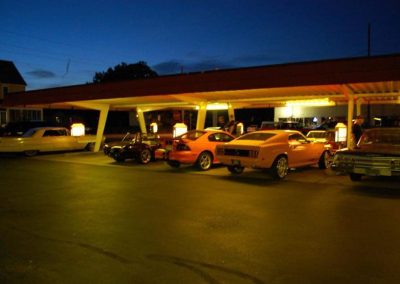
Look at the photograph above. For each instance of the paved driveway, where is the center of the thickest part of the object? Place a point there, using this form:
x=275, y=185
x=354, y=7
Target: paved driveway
x=81, y=218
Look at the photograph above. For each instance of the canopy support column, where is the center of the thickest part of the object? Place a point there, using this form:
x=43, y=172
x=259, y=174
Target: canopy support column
x=350, y=112
x=231, y=112
x=142, y=122
x=358, y=106
x=103, y=108
x=100, y=127
x=201, y=116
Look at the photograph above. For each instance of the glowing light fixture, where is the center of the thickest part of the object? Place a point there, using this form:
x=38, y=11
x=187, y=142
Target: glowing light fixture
x=179, y=129
x=340, y=132
x=313, y=102
x=153, y=127
x=215, y=106
x=77, y=129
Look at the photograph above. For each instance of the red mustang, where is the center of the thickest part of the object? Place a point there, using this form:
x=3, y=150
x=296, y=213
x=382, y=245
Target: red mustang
x=197, y=147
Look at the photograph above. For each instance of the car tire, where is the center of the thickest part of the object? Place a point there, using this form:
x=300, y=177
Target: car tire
x=235, y=170
x=90, y=147
x=204, y=161
x=280, y=168
x=144, y=156
x=355, y=177
x=173, y=164
x=118, y=157
x=324, y=160
x=31, y=153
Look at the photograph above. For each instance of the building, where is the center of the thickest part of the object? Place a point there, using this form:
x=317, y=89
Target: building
x=346, y=87
x=11, y=81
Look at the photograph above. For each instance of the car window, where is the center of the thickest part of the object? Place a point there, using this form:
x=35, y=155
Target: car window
x=192, y=135
x=53, y=132
x=225, y=137
x=219, y=137
x=212, y=138
x=381, y=137
x=257, y=136
x=315, y=134
x=297, y=137
x=30, y=132
x=331, y=136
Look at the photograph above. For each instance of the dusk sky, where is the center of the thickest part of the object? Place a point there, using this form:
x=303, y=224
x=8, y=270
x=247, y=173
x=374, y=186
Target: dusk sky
x=61, y=43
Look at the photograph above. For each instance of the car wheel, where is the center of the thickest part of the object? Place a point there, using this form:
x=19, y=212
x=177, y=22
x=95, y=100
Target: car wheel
x=355, y=177
x=236, y=170
x=90, y=147
x=144, y=156
x=31, y=153
x=280, y=168
x=204, y=162
x=118, y=157
x=173, y=164
x=324, y=160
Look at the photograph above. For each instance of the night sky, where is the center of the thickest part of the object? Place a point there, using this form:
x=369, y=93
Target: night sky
x=59, y=43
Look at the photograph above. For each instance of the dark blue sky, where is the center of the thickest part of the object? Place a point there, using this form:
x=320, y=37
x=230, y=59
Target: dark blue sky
x=59, y=43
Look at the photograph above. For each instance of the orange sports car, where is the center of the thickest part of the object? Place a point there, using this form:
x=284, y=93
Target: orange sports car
x=197, y=147
x=276, y=150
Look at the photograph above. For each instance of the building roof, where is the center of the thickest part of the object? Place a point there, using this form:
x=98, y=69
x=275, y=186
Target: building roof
x=9, y=74
x=374, y=78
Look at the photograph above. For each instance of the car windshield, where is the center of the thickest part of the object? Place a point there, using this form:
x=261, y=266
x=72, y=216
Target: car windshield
x=257, y=136
x=192, y=135
x=381, y=136
x=30, y=132
x=316, y=134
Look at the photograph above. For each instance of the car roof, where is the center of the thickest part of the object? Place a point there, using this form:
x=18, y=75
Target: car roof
x=384, y=129
x=279, y=131
x=48, y=128
x=207, y=131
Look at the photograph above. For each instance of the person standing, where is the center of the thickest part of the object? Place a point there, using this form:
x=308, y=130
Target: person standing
x=357, y=128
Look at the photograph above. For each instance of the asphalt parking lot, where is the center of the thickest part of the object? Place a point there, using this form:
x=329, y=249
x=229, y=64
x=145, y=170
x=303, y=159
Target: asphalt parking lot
x=301, y=175
x=81, y=217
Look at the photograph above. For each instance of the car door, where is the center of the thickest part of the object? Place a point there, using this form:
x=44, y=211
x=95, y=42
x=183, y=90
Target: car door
x=57, y=140
x=300, y=150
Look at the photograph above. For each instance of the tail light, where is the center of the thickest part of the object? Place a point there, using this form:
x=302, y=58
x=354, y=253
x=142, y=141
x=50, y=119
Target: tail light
x=253, y=153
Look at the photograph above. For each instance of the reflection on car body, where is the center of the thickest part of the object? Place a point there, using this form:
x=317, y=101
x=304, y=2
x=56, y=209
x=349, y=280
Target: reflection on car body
x=276, y=150
x=197, y=147
x=377, y=154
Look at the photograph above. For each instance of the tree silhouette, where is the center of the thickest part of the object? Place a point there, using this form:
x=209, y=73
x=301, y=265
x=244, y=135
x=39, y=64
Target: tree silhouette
x=125, y=71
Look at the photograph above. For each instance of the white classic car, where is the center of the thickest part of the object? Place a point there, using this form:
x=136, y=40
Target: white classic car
x=46, y=139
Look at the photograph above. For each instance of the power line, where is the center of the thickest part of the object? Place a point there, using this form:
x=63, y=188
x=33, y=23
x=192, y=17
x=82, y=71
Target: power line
x=44, y=54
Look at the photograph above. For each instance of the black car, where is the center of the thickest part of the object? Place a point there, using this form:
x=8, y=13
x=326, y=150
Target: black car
x=141, y=148
x=128, y=138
